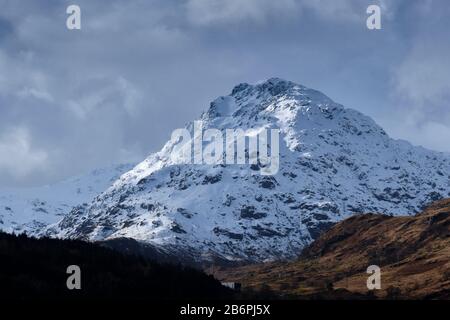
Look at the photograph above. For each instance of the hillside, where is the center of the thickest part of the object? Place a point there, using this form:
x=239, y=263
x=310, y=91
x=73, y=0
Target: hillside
x=413, y=254
x=36, y=269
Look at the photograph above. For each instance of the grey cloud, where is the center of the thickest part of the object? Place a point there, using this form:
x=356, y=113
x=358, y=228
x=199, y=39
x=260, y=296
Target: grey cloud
x=421, y=82
x=71, y=101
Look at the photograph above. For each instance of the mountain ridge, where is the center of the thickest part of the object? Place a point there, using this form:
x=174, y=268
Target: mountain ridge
x=334, y=162
x=32, y=209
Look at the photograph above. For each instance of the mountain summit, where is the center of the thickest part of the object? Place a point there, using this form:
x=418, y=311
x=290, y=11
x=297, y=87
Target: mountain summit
x=334, y=162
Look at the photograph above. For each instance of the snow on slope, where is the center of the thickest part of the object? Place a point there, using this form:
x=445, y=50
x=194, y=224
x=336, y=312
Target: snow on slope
x=31, y=209
x=334, y=162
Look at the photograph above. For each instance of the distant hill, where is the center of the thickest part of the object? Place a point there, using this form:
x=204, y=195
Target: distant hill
x=413, y=253
x=31, y=210
x=36, y=268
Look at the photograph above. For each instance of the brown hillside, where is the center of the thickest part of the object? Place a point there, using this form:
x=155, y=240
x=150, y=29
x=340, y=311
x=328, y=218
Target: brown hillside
x=412, y=252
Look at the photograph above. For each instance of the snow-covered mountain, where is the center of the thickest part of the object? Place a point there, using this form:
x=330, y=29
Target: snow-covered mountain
x=31, y=209
x=334, y=162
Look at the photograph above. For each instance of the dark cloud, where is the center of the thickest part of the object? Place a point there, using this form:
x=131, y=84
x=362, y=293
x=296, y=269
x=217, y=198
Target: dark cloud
x=113, y=91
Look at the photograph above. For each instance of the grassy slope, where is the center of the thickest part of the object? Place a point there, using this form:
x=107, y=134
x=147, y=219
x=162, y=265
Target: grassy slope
x=413, y=253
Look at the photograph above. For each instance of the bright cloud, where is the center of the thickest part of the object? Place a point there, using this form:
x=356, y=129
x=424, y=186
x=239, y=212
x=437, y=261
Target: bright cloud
x=18, y=157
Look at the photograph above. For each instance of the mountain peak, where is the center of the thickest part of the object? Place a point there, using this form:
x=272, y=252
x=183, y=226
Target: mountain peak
x=249, y=102
x=274, y=86
x=333, y=162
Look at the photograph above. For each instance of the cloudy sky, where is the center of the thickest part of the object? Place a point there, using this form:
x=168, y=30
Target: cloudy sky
x=112, y=92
